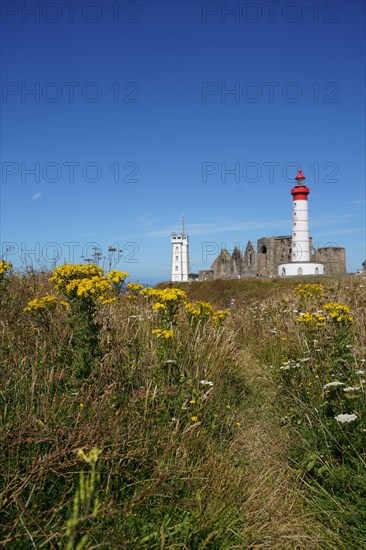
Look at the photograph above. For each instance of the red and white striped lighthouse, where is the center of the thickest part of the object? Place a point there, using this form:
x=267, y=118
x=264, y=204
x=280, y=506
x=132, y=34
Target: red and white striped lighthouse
x=301, y=263
x=300, y=221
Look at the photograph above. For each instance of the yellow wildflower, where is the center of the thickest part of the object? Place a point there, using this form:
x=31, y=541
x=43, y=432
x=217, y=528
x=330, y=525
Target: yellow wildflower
x=158, y=306
x=219, y=315
x=339, y=312
x=134, y=286
x=47, y=303
x=117, y=276
x=309, y=290
x=163, y=334
x=86, y=281
x=4, y=267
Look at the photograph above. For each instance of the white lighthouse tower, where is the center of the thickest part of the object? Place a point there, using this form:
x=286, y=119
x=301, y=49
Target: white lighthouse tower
x=300, y=251
x=180, y=256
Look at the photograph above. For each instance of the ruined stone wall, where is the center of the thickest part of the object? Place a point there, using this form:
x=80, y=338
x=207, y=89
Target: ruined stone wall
x=333, y=258
x=271, y=252
x=222, y=267
x=263, y=262
x=250, y=261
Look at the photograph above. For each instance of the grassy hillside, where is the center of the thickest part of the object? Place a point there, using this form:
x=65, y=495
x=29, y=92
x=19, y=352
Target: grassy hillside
x=149, y=419
x=243, y=291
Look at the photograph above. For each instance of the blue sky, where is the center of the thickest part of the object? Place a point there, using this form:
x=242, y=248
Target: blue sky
x=164, y=108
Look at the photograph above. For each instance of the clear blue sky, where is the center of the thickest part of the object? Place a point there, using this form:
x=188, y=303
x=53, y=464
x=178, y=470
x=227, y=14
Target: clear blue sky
x=143, y=90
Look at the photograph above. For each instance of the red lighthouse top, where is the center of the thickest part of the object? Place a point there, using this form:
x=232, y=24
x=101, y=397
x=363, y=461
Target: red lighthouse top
x=300, y=176
x=300, y=191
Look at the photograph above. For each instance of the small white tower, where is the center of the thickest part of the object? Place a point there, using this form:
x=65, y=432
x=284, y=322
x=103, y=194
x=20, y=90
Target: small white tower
x=180, y=256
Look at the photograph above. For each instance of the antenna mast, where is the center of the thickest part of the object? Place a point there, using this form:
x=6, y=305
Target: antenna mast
x=183, y=225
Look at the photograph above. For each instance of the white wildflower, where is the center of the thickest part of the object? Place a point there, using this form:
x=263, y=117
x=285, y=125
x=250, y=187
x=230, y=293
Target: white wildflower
x=350, y=389
x=361, y=372
x=334, y=384
x=345, y=418
x=206, y=383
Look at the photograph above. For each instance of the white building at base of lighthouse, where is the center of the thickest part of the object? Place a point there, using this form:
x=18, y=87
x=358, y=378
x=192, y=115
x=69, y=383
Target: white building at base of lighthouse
x=300, y=268
x=300, y=249
x=180, y=257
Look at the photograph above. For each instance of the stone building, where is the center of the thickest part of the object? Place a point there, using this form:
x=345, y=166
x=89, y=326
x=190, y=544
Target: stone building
x=263, y=260
x=333, y=258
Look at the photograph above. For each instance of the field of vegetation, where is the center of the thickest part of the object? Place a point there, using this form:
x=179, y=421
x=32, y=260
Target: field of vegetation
x=217, y=415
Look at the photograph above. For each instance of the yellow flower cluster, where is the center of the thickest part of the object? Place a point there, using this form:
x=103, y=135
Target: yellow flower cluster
x=133, y=291
x=4, y=266
x=203, y=311
x=339, y=312
x=117, y=277
x=68, y=272
x=163, y=334
x=199, y=310
x=165, y=295
x=167, y=301
x=97, y=287
x=309, y=290
x=312, y=319
x=47, y=303
x=158, y=306
x=220, y=315
x=134, y=286
x=86, y=281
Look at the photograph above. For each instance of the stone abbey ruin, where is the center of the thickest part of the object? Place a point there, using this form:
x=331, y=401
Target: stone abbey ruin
x=263, y=260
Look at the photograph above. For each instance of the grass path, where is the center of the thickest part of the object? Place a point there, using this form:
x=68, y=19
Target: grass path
x=275, y=509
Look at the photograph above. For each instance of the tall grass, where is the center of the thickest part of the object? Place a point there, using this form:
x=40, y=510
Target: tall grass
x=164, y=474
x=320, y=376
x=199, y=440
